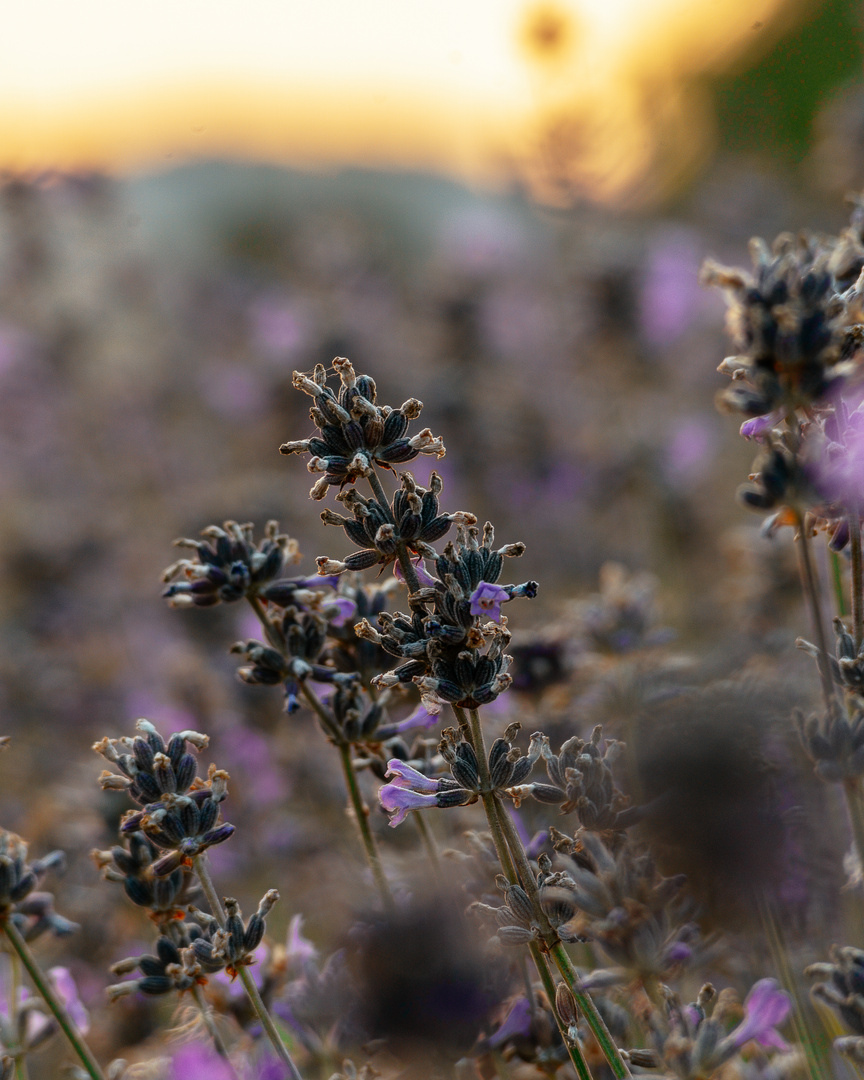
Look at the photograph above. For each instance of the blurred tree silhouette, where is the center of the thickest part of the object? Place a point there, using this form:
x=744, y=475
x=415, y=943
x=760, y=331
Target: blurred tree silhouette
x=771, y=105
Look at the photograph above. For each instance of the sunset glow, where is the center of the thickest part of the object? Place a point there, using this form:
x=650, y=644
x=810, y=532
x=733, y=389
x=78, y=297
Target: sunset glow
x=463, y=89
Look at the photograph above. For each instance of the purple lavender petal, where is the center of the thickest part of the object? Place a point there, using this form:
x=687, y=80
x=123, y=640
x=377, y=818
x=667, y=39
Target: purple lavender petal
x=344, y=607
x=67, y=991
x=487, y=600
x=420, y=718
x=516, y=1023
x=198, y=1061
x=398, y=801
x=766, y=1006
x=406, y=777
x=423, y=576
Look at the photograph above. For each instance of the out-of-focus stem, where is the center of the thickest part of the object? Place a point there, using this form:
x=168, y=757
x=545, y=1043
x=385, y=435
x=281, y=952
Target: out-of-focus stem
x=855, y=806
x=266, y=1020
x=212, y=1030
x=557, y=951
x=837, y=582
x=428, y=843
x=14, y=992
x=46, y=992
x=857, y=577
x=361, y=812
x=361, y=816
x=811, y=593
x=512, y=856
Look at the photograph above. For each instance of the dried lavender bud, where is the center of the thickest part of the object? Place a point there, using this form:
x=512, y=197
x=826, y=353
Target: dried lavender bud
x=412, y=518
x=180, y=812
x=843, y=988
x=168, y=970
x=354, y=432
x=787, y=322
x=132, y=867
x=834, y=742
x=582, y=781
x=32, y=912
x=229, y=565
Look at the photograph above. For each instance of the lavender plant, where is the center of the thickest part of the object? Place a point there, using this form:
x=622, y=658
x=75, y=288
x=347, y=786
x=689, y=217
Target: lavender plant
x=572, y=951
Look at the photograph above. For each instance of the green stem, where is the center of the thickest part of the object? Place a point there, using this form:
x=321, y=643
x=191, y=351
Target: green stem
x=811, y=594
x=19, y=1053
x=855, y=806
x=557, y=951
x=361, y=813
x=429, y=844
x=837, y=582
x=203, y=872
x=46, y=992
x=361, y=816
x=512, y=857
x=212, y=1030
x=857, y=577
x=573, y=1049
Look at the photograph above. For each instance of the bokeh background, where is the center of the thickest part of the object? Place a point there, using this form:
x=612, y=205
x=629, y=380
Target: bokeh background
x=499, y=207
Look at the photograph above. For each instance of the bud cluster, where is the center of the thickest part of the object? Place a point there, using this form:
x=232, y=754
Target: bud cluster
x=353, y=431
x=180, y=812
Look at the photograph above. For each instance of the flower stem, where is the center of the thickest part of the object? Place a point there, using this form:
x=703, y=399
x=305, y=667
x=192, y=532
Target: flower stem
x=517, y=868
x=857, y=577
x=46, y=992
x=855, y=806
x=573, y=1049
x=212, y=1030
x=14, y=990
x=837, y=582
x=361, y=816
x=203, y=872
x=557, y=951
x=429, y=843
x=361, y=813
x=811, y=593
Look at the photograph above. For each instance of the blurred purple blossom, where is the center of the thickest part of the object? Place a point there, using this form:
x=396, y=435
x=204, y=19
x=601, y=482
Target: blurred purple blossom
x=670, y=293
x=516, y=1023
x=765, y=1007
x=423, y=576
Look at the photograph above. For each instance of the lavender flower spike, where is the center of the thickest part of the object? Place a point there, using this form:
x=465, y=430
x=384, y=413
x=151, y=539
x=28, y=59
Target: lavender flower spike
x=766, y=1006
x=487, y=600
x=398, y=800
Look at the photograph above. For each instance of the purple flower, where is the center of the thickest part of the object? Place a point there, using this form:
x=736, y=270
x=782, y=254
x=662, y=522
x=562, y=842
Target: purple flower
x=420, y=718
x=198, y=1061
x=423, y=576
x=487, y=600
x=516, y=1023
x=756, y=427
x=398, y=800
x=406, y=777
x=299, y=950
x=766, y=1006
x=339, y=610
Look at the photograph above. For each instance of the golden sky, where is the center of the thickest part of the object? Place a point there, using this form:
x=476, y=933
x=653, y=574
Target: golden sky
x=458, y=86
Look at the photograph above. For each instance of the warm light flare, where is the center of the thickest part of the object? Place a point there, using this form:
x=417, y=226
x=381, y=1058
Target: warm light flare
x=586, y=94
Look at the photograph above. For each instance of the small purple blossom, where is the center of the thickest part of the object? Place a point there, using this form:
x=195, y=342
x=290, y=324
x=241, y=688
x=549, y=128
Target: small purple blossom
x=398, y=800
x=487, y=600
x=756, y=427
x=407, y=777
x=766, y=1007
x=423, y=576
x=517, y=1023
x=420, y=718
x=339, y=610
